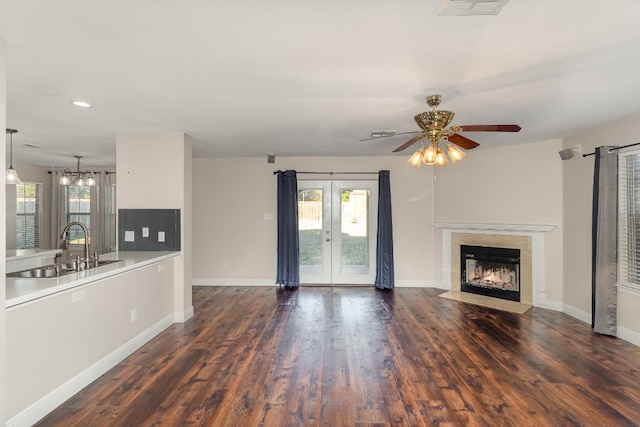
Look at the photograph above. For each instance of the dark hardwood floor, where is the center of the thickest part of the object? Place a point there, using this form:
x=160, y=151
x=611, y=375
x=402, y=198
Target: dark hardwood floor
x=355, y=356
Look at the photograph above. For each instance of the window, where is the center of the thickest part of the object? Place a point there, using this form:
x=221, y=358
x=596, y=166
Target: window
x=28, y=208
x=629, y=219
x=78, y=209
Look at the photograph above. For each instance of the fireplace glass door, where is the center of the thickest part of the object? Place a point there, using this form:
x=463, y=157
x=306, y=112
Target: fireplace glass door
x=489, y=271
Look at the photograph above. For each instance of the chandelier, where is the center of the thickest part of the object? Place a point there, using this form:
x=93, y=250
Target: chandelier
x=77, y=178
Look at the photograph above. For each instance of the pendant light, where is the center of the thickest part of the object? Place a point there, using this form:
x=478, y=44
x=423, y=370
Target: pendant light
x=11, y=176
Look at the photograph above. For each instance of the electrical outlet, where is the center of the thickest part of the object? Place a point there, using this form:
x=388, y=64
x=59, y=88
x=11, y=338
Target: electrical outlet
x=134, y=315
x=406, y=267
x=225, y=266
x=145, y=231
x=77, y=296
x=160, y=236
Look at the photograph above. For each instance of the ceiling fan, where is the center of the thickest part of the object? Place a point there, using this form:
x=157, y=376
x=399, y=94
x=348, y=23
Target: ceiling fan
x=434, y=127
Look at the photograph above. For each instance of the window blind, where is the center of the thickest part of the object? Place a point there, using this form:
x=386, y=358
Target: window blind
x=629, y=218
x=28, y=209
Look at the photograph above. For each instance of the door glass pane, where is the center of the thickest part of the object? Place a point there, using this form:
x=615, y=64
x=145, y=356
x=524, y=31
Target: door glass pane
x=354, y=229
x=310, y=230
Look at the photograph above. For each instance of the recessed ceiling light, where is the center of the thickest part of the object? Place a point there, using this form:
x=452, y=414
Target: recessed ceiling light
x=81, y=104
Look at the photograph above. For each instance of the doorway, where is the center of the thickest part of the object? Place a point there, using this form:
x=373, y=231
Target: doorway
x=337, y=223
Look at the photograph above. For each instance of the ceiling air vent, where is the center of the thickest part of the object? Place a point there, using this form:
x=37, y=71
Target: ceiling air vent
x=470, y=7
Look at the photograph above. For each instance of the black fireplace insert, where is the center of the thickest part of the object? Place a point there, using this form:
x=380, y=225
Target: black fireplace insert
x=489, y=271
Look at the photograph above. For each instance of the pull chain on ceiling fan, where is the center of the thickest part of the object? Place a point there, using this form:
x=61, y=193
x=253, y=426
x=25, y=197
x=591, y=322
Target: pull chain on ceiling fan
x=434, y=127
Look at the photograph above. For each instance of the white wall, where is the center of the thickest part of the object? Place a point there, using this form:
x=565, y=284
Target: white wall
x=231, y=196
x=519, y=184
x=3, y=233
x=578, y=184
x=154, y=172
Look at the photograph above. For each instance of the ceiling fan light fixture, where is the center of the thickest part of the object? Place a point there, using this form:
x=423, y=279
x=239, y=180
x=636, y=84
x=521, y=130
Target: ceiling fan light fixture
x=455, y=154
x=416, y=158
x=441, y=158
x=430, y=154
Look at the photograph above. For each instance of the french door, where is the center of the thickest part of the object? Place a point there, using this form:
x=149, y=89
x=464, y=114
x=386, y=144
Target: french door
x=337, y=223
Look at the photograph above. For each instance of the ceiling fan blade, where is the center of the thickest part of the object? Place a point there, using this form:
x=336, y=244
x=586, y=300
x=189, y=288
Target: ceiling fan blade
x=462, y=141
x=410, y=142
x=394, y=134
x=491, y=128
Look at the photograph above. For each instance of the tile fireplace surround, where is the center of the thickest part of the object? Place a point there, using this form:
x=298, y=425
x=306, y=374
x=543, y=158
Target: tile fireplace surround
x=528, y=238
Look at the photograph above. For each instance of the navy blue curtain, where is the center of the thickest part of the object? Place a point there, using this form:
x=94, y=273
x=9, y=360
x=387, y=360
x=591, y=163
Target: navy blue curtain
x=384, y=247
x=604, y=232
x=288, y=273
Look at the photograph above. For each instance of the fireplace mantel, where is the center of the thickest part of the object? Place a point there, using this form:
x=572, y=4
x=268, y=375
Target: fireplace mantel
x=534, y=231
x=495, y=227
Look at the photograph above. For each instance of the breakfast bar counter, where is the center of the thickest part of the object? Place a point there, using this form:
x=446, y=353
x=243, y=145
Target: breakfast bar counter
x=20, y=290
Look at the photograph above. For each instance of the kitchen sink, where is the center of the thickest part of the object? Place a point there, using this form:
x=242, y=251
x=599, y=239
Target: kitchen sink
x=43, y=272
x=56, y=270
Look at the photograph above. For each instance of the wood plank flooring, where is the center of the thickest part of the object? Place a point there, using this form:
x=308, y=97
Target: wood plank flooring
x=353, y=356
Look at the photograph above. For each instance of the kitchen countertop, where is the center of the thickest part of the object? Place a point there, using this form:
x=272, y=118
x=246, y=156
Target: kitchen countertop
x=23, y=290
x=19, y=254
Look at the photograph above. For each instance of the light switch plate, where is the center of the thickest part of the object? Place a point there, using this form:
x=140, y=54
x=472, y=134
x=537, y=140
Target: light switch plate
x=129, y=236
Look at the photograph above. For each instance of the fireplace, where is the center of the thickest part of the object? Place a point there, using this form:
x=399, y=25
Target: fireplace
x=490, y=271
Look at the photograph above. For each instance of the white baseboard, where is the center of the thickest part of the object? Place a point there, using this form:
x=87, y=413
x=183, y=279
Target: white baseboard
x=51, y=401
x=419, y=284
x=628, y=335
x=552, y=305
x=577, y=313
x=271, y=282
x=233, y=282
x=183, y=316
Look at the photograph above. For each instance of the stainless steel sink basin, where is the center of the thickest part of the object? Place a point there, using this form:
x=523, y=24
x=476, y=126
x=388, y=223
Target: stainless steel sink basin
x=56, y=270
x=40, y=272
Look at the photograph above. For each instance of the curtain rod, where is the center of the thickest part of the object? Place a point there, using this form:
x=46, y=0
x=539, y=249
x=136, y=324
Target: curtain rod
x=331, y=173
x=613, y=148
x=107, y=172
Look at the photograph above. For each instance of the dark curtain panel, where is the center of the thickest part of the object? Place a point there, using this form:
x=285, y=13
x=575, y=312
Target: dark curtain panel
x=288, y=265
x=604, y=263
x=384, y=247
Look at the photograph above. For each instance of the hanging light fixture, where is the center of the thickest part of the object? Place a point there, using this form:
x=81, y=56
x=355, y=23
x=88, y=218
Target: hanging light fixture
x=416, y=158
x=77, y=178
x=435, y=155
x=11, y=176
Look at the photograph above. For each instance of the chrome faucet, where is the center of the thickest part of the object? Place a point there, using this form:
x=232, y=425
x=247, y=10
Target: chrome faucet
x=86, y=242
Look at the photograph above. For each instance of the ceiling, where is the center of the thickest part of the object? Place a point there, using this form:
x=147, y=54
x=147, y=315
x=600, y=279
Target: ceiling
x=307, y=78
